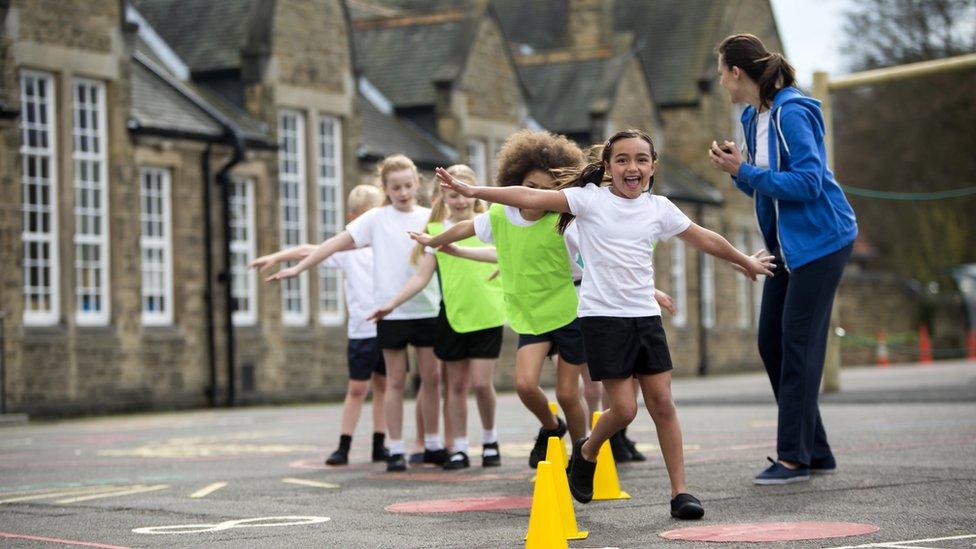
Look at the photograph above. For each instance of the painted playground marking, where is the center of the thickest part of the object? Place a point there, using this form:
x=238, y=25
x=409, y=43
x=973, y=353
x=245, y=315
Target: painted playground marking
x=130, y=491
x=905, y=544
x=306, y=482
x=207, y=490
x=462, y=505
x=11, y=535
x=770, y=531
x=229, y=524
x=83, y=493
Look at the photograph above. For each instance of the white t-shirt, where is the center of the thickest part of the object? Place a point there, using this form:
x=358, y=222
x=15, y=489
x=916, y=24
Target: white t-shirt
x=357, y=280
x=385, y=230
x=482, y=229
x=762, y=140
x=617, y=237
x=571, y=236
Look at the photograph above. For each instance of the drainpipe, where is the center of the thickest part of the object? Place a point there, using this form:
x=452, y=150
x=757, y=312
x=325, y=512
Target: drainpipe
x=224, y=277
x=208, y=276
x=702, y=331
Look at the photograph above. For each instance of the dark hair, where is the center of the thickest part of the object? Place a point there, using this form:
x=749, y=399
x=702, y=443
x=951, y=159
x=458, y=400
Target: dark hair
x=526, y=151
x=768, y=69
x=595, y=172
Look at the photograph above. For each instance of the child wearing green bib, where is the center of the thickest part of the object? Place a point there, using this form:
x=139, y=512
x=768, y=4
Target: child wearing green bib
x=620, y=320
x=540, y=299
x=469, y=327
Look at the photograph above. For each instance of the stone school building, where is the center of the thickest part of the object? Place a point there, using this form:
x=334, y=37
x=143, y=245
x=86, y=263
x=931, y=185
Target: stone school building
x=149, y=149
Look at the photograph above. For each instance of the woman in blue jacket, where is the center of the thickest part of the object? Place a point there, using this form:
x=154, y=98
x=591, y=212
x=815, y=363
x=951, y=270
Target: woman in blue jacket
x=807, y=224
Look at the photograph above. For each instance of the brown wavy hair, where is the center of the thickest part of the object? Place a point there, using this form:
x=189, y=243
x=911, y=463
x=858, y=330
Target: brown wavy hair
x=526, y=151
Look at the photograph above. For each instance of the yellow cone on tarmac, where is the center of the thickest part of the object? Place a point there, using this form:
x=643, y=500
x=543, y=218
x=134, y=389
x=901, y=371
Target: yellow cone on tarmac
x=606, y=485
x=545, y=524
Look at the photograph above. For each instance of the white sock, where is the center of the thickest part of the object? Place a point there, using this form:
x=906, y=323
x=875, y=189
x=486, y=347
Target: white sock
x=433, y=442
x=395, y=446
x=489, y=436
x=460, y=445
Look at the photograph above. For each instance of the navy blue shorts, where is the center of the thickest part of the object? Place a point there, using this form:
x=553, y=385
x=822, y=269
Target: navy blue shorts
x=397, y=334
x=365, y=358
x=567, y=341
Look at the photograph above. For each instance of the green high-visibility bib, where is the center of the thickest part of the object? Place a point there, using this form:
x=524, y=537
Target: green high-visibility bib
x=536, y=278
x=471, y=301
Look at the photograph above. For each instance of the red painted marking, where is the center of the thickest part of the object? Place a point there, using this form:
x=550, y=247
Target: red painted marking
x=462, y=505
x=770, y=531
x=61, y=541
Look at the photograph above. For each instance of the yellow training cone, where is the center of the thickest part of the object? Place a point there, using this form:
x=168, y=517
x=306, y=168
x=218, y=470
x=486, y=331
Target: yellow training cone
x=563, y=497
x=545, y=525
x=606, y=485
x=554, y=408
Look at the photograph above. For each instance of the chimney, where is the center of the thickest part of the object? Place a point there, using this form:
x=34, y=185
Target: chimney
x=590, y=23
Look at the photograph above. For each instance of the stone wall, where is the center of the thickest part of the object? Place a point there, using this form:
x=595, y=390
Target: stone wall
x=490, y=80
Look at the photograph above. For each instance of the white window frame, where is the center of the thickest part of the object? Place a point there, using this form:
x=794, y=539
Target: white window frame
x=292, y=195
x=679, y=283
x=162, y=243
x=743, y=296
x=35, y=239
x=91, y=147
x=477, y=150
x=243, y=279
x=328, y=131
x=757, y=288
x=708, y=290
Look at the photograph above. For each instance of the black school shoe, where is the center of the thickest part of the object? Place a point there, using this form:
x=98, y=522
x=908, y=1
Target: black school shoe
x=380, y=453
x=581, y=473
x=490, y=455
x=619, y=449
x=339, y=457
x=635, y=454
x=396, y=463
x=435, y=457
x=686, y=507
x=458, y=460
x=538, y=452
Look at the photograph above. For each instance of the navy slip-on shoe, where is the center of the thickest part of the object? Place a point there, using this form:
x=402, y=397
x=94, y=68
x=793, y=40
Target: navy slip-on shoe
x=777, y=473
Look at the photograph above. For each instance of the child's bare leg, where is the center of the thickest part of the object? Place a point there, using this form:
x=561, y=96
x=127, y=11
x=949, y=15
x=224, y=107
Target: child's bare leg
x=483, y=384
x=457, y=377
x=418, y=417
x=352, y=406
x=657, y=398
x=568, y=396
x=592, y=392
x=528, y=368
x=449, y=427
x=396, y=373
x=622, y=410
x=379, y=396
x=430, y=387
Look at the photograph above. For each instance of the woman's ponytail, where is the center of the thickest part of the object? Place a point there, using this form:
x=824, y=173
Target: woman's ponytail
x=770, y=70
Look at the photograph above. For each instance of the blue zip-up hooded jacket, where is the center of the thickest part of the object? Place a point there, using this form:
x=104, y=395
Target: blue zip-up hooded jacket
x=798, y=192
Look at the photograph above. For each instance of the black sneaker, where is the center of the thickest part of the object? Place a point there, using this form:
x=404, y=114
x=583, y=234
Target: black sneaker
x=458, y=460
x=635, y=454
x=435, y=457
x=490, y=455
x=581, y=473
x=538, y=452
x=618, y=447
x=339, y=457
x=396, y=463
x=380, y=453
x=686, y=507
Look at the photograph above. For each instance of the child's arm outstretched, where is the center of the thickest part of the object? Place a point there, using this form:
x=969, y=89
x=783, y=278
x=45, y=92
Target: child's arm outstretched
x=458, y=231
x=417, y=282
x=715, y=244
x=665, y=301
x=297, y=253
x=520, y=197
x=338, y=243
x=486, y=255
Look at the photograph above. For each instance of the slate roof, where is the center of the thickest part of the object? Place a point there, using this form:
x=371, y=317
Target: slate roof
x=386, y=134
x=207, y=34
x=404, y=59
x=562, y=95
x=678, y=182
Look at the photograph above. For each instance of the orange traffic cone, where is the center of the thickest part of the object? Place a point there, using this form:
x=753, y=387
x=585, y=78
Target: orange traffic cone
x=545, y=523
x=881, y=350
x=606, y=484
x=924, y=345
x=971, y=344
x=554, y=408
